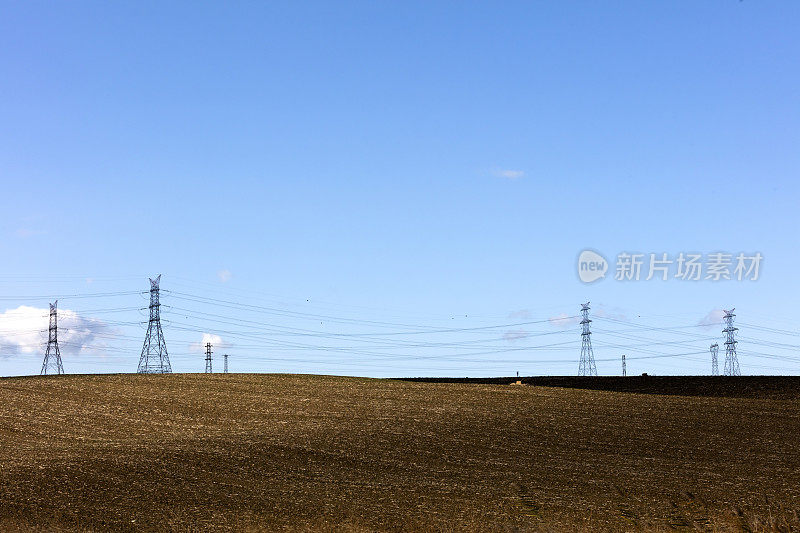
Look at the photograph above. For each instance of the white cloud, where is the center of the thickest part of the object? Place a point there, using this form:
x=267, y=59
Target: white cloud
x=562, y=320
x=215, y=340
x=515, y=335
x=24, y=233
x=224, y=275
x=508, y=174
x=24, y=331
x=522, y=314
x=602, y=311
x=713, y=318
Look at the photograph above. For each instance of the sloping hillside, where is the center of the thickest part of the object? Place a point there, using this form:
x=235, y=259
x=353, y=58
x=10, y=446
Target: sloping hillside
x=205, y=452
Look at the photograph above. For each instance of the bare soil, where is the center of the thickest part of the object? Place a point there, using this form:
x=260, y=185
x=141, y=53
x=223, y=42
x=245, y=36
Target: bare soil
x=775, y=387
x=197, y=452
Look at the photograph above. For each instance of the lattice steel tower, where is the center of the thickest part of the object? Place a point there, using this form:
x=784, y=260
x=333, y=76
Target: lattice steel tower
x=714, y=365
x=731, y=360
x=52, y=356
x=208, y=358
x=586, y=366
x=226, y=362
x=624, y=370
x=154, y=359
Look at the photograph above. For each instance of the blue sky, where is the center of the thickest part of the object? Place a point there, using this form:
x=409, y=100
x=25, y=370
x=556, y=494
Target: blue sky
x=364, y=169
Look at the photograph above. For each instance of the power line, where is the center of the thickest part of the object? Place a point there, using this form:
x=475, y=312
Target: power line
x=421, y=329
x=65, y=296
x=389, y=342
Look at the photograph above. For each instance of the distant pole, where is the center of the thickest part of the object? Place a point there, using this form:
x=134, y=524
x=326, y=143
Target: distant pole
x=624, y=370
x=586, y=365
x=731, y=359
x=714, y=365
x=52, y=356
x=208, y=358
x=226, y=362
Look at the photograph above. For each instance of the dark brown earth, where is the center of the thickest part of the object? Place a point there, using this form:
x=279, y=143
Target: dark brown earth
x=198, y=452
x=786, y=387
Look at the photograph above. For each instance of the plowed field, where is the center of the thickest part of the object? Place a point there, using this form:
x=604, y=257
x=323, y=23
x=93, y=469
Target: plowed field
x=266, y=452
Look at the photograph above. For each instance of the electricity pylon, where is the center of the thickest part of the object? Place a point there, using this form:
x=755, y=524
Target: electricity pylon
x=208, y=358
x=624, y=370
x=731, y=360
x=586, y=365
x=154, y=359
x=714, y=365
x=226, y=362
x=52, y=356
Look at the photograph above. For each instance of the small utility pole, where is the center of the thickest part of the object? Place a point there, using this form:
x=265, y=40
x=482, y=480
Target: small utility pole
x=624, y=370
x=226, y=362
x=208, y=358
